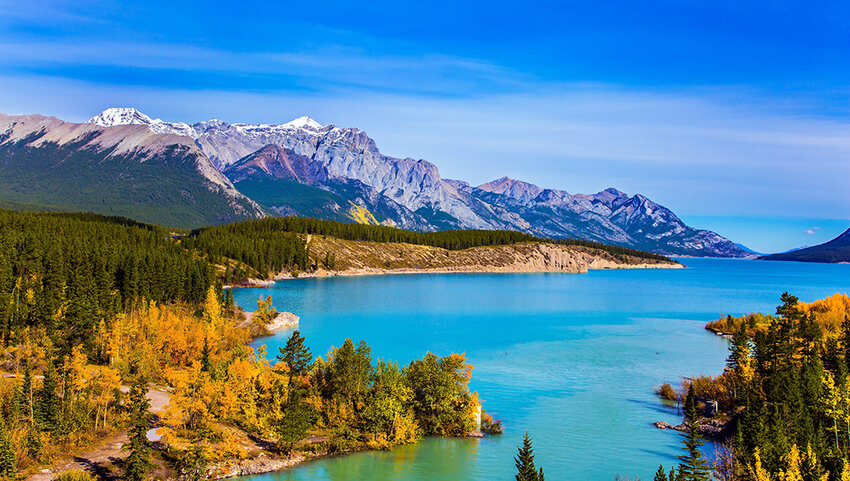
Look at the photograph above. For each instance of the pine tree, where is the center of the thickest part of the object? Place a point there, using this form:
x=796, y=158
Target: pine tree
x=739, y=348
x=8, y=463
x=138, y=461
x=660, y=475
x=206, y=366
x=692, y=465
x=690, y=407
x=296, y=418
x=48, y=407
x=524, y=461
x=296, y=355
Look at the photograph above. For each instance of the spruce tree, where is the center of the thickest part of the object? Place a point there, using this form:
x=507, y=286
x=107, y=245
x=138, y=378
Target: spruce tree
x=296, y=418
x=660, y=475
x=524, y=461
x=138, y=462
x=692, y=464
x=738, y=348
x=8, y=463
x=296, y=355
x=48, y=408
x=206, y=365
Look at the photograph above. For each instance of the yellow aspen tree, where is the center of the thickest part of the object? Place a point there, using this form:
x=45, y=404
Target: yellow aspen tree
x=832, y=402
x=844, y=394
x=212, y=308
x=793, y=471
x=76, y=371
x=757, y=471
x=813, y=467
x=845, y=472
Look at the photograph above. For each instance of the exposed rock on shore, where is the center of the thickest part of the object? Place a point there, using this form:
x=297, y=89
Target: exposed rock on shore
x=715, y=428
x=284, y=320
x=262, y=463
x=364, y=258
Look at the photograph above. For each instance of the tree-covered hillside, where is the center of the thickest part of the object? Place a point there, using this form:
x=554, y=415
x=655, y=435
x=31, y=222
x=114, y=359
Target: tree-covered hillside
x=165, y=188
x=66, y=272
x=786, y=391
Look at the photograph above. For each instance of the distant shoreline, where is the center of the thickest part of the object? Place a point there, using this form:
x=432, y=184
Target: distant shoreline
x=372, y=271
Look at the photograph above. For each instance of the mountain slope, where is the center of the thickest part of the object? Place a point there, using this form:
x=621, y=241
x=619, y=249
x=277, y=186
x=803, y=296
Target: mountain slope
x=292, y=184
x=125, y=170
x=416, y=186
x=836, y=250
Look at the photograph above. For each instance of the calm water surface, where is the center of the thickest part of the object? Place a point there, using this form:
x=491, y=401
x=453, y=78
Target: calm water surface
x=572, y=358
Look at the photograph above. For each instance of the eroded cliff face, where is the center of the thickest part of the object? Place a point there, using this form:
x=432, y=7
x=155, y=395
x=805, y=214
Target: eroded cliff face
x=360, y=258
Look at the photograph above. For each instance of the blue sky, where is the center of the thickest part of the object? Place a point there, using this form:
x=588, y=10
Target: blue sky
x=733, y=114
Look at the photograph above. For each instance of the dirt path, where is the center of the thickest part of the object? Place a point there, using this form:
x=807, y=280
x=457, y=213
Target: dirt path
x=102, y=461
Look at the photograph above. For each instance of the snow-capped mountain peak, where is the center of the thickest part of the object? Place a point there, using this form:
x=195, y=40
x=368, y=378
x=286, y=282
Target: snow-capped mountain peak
x=120, y=116
x=130, y=116
x=302, y=122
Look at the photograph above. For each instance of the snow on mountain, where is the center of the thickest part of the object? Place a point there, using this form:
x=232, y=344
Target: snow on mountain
x=303, y=122
x=130, y=116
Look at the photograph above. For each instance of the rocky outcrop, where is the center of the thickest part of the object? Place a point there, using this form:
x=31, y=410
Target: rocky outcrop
x=284, y=320
x=715, y=428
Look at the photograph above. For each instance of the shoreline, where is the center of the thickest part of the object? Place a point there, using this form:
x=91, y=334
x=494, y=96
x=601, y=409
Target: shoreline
x=366, y=271
x=269, y=462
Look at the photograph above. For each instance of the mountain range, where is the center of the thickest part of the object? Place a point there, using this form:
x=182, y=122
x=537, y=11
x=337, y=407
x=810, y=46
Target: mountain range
x=211, y=172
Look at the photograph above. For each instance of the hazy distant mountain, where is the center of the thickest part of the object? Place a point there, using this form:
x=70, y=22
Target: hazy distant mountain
x=745, y=248
x=836, y=250
x=124, y=170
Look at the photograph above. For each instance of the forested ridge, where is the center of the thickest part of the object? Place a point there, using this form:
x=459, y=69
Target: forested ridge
x=266, y=245
x=786, y=391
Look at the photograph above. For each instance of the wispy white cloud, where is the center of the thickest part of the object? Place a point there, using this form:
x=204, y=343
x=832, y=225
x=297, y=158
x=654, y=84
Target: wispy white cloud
x=326, y=67
x=812, y=230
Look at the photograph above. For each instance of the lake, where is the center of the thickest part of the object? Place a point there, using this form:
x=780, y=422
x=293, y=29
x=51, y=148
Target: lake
x=572, y=358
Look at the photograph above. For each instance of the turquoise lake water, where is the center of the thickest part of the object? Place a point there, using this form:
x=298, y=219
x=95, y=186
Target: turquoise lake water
x=572, y=358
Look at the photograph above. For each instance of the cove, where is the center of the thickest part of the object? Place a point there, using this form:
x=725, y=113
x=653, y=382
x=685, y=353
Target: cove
x=572, y=358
